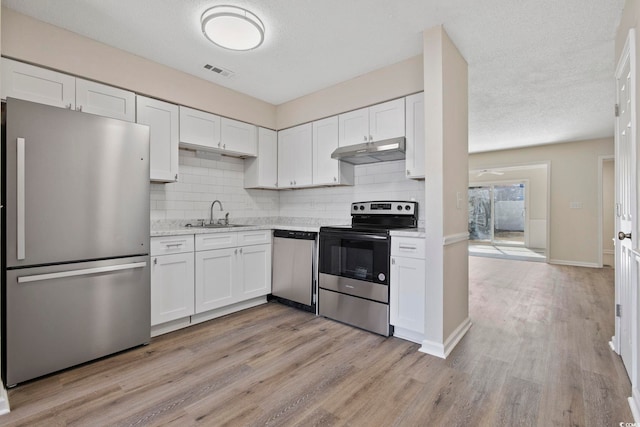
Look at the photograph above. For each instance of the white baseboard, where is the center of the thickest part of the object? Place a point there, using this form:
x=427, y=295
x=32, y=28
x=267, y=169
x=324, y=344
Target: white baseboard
x=408, y=334
x=634, y=404
x=443, y=350
x=574, y=263
x=219, y=312
x=4, y=401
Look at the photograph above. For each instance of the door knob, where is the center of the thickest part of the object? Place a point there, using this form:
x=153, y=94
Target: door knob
x=622, y=235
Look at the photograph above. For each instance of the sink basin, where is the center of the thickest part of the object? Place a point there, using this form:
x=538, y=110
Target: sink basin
x=215, y=225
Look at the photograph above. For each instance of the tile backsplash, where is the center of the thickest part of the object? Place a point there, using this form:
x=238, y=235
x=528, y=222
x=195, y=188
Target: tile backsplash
x=201, y=181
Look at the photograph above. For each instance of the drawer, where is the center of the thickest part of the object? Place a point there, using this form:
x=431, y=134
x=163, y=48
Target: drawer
x=164, y=245
x=205, y=242
x=410, y=247
x=256, y=237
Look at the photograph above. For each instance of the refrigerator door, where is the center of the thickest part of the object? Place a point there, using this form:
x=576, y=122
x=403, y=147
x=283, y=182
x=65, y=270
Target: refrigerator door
x=64, y=315
x=77, y=186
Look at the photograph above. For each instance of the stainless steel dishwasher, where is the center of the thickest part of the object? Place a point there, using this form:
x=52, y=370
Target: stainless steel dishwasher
x=294, y=260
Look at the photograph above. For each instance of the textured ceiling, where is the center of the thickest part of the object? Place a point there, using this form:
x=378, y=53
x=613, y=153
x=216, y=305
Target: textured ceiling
x=540, y=71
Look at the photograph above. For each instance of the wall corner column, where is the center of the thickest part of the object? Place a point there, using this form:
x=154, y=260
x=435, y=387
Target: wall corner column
x=446, y=183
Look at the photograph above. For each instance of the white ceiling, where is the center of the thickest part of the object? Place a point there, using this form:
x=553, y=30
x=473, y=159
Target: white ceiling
x=540, y=71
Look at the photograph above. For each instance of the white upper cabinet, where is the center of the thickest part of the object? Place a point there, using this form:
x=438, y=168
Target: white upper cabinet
x=239, y=138
x=375, y=123
x=24, y=81
x=415, y=152
x=262, y=171
x=354, y=127
x=31, y=83
x=103, y=100
x=162, y=119
x=386, y=120
x=199, y=130
x=295, y=157
x=327, y=171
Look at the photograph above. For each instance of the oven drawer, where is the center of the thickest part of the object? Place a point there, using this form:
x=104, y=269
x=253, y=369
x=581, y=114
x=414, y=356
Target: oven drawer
x=370, y=315
x=372, y=291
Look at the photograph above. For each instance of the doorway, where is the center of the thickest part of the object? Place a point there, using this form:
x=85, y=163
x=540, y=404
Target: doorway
x=497, y=213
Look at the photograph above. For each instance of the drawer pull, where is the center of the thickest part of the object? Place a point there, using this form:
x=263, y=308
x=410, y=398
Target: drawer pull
x=413, y=248
x=173, y=245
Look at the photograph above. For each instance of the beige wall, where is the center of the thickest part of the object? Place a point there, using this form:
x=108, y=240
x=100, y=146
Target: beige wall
x=536, y=178
x=34, y=41
x=446, y=148
x=574, y=167
x=394, y=81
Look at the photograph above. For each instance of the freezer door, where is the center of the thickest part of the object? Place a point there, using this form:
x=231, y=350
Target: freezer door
x=61, y=316
x=77, y=186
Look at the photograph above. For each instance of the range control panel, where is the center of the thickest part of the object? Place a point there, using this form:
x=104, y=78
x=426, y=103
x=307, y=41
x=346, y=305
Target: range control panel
x=384, y=208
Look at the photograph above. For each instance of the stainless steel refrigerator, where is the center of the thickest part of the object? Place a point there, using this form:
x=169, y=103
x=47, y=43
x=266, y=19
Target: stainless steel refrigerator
x=75, y=263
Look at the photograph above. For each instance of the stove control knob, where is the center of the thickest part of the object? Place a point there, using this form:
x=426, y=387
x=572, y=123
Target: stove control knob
x=399, y=207
x=407, y=207
x=355, y=208
x=361, y=207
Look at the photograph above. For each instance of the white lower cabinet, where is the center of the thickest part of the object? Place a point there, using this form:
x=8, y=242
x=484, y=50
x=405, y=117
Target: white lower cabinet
x=232, y=274
x=407, y=293
x=171, y=278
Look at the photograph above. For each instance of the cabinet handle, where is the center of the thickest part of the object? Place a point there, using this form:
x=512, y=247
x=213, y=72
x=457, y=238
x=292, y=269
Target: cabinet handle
x=411, y=248
x=370, y=138
x=79, y=108
x=393, y=261
x=290, y=182
x=294, y=182
x=240, y=250
x=155, y=261
x=408, y=172
x=335, y=179
x=224, y=146
x=173, y=245
x=176, y=177
x=68, y=106
x=219, y=144
x=365, y=138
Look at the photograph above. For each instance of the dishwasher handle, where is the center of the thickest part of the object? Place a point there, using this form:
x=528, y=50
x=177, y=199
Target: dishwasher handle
x=291, y=234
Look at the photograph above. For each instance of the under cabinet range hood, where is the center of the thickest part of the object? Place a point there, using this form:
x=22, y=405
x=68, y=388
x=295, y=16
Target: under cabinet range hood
x=371, y=152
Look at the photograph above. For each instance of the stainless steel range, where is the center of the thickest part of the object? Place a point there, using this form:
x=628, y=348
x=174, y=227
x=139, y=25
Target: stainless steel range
x=354, y=264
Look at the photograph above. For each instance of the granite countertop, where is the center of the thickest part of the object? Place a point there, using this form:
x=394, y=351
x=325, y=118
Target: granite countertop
x=178, y=227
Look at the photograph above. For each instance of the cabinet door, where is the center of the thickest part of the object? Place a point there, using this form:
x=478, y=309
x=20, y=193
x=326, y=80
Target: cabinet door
x=353, y=127
x=415, y=152
x=386, y=120
x=199, y=129
x=295, y=156
x=162, y=119
x=262, y=171
x=325, y=140
x=103, y=100
x=172, y=292
x=239, y=138
x=214, y=278
x=24, y=81
x=407, y=294
x=255, y=271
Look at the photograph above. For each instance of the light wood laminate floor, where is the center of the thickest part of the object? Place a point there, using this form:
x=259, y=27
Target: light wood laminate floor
x=537, y=354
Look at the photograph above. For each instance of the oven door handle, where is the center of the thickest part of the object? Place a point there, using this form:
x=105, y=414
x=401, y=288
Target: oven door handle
x=354, y=235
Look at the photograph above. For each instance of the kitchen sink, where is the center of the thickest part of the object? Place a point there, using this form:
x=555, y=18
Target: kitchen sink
x=215, y=225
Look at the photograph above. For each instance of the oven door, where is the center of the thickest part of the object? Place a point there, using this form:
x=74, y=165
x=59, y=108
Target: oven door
x=355, y=255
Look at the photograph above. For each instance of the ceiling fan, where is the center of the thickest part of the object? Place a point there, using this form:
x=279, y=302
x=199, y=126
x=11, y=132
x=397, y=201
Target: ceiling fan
x=489, y=172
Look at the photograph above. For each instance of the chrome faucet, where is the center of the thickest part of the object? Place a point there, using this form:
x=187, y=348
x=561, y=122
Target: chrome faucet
x=211, y=210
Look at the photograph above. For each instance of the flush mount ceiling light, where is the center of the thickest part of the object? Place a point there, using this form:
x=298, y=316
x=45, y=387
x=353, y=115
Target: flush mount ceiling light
x=232, y=27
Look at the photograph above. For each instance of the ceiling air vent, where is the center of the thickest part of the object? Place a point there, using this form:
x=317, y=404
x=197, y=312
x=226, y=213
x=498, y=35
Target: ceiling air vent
x=220, y=71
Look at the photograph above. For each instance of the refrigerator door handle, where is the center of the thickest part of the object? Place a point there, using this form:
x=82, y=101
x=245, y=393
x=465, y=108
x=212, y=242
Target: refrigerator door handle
x=83, y=272
x=20, y=202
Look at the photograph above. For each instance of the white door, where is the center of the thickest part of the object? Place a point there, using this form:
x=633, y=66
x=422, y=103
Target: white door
x=239, y=137
x=198, y=129
x=325, y=140
x=172, y=295
x=386, y=120
x=215, y=278
x=354, y=127
x=626, y=211
x=255, y=271
x=107, y=101
x=162, y=119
